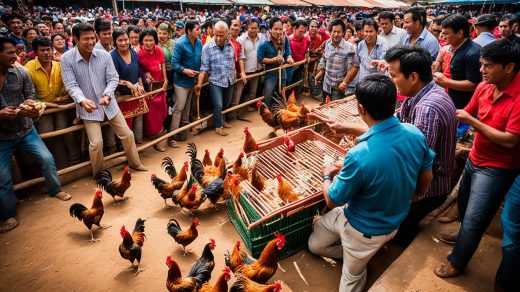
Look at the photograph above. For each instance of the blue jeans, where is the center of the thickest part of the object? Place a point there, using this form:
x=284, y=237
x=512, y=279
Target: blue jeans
x=32, y=144
x=507, y=273
x=480, y=194
x=270, y=85
x=221, y=98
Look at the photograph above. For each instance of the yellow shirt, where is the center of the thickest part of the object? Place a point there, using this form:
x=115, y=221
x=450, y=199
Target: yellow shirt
x=47, y=87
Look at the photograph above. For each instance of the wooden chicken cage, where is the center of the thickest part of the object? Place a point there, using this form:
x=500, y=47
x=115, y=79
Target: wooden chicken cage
x=257, y=215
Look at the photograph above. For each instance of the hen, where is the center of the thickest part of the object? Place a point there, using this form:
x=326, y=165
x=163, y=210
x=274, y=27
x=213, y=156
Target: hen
x=289, y=120
x=285, y=191
x=243, y=284
x=221, y=284
x=266, y=265
x=165, y=189
x=257, y=180
x=114, y=188
x=130, y=248
x=176, y=283
x=186, y=237
x=291, y=103
x=219, y=158
x=232, y=186
x=89, y=216
x=250, y=144
x=239, y=170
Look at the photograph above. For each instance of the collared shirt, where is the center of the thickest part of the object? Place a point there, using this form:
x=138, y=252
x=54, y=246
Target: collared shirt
x=395, y=37
x=185, y=56
x=299, y=47
x=219, y=63
x=268, y=50
x=47, y=86
x=248, y=52
x=17, y=89
x=502, y=114
x=465, y=65
x=426, y=41
x=17, y=40
x=336, y=62
x=91, y=80
x=100, y=47
x=484, y=38
x=363, y=57
x=432, y=111
x=387, y=153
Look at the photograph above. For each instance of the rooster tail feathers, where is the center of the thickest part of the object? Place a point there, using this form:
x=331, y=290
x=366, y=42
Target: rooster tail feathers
x=76, y=210
x=139, y=225
x=167, y=165
x=103, y=175
x=192, y=151
x=201, y=272
x=157, y=182
x=104, y=180
x=173, y=227
x=197, y=170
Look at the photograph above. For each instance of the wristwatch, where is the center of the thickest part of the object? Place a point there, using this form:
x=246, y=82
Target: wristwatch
x=327, y=177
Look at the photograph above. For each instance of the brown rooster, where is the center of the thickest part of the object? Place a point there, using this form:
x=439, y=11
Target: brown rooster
x=165, y=189
x=257, y=180
x=267, y=116
x=114, y=188
x=221, y=284
x=243, y=284
x=90, y=216
x=176, y=283
x=237, y=258
x=238, y=169
x=177, y=178
x=186, y=237
x=267, y=264
x=250, y=144
x=290, y=120
x=206, y=160
x=130, y=248
x=219, y=158
x=192, y=199
x=291, y=103
x=285, y=191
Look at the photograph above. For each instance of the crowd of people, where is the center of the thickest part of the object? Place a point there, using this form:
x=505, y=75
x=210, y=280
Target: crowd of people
x=443, y=69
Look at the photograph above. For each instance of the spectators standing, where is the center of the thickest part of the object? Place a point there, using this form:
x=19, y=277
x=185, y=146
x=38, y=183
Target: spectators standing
x=16, y=27
x=398, y=21
x=493, y=161
x=506, y=29
x=94, y=95
x=179, y=30
x=152, y=64
x=218, y=62
x=391, y=33
x=104, y=34
x=299, y=48
x=134, y=32
x=234, y=32
x=484, y=27
x=464, y=65
x=17, y=132
x=415, y=26
x=186, y=65
x=48, y=83
x=164, y=33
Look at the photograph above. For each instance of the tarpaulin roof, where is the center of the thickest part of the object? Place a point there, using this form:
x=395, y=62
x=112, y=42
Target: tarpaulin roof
x=477, y=1
x=253, y=2
x=206, y=2
x=290, y=3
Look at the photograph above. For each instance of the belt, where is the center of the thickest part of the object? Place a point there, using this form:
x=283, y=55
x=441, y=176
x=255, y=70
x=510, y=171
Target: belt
x=367, y=236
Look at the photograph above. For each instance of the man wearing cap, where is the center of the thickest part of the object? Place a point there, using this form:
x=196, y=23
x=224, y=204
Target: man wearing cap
x=484, y=27
x=179, y=30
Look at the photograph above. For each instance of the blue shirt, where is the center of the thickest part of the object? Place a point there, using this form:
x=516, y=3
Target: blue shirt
x=185, y=55
x=484, y=38
x=219, y=63
x=426, y=41
x=18, y=40
x=379, y=176
x=128, y=72
x=363, y=57
x=268, y=50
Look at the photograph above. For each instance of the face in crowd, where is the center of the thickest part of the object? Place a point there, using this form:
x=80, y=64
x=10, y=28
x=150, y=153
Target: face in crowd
x=8, y=55
x=411, y=27
x=313, y=28
x=16, y=25
x=337, y=33
x=235, y=28
x=252, y=29
x=276, y=31
x=505, y=29
x=123, y=42
x=221, y=35
x=370, y=34
x=58, y=42
x=86, y=41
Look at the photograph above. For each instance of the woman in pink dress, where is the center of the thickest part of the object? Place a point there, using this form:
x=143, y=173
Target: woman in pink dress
x=152, y=63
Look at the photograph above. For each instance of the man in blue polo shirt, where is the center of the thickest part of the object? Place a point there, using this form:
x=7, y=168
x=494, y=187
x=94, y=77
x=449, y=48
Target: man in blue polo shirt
x=415, y=26
x=370, y=196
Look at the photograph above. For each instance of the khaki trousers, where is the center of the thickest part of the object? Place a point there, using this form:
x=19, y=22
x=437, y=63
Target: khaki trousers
x=355, y=249
x=95, y=138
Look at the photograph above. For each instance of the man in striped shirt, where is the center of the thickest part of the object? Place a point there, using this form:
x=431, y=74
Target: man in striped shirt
x=91, y=78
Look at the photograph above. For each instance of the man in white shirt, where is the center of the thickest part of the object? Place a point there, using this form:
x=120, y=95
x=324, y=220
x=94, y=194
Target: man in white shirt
x=390, y=32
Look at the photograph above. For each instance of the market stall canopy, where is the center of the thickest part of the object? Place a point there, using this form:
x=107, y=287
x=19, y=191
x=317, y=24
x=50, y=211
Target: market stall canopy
x=477, y=2
x=290, y=3
x=358, y=3
x=201, y=2
x=253, y=2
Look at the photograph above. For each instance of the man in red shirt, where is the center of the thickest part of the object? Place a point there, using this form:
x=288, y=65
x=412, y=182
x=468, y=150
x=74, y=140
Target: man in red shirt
x=299, y=47
x=315, y=49
x=494, y=160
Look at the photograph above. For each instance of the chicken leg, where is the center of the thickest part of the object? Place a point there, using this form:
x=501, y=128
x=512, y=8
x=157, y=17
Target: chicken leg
x=92, y=240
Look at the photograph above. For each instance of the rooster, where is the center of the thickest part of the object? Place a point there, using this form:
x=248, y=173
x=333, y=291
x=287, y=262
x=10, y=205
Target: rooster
x=289, y=144
x=265, y=267
x=206, y=260
x=177, y=178
x=232, y=186
x=176, y=283
x=190, y=197
x=206, y=160
x=237, y=258
x=267, y=116
x=186, y=237
x=291, y=103
x=219, y=158
x=221, y=284
x=289, y=120
x=115, y=188
x=285, y=191
x=238, y=169
x=205, y=175
x=130, y=248
x=257, y=180
x=90, y=216
x=165, y=189
x=243, y=284
x=250, y=144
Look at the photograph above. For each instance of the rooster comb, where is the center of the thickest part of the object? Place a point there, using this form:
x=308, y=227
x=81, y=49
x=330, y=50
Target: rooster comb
x=246, y=129
x=212, y=241
x=280, y=237
x=226, y=270
x=185, y=163
x=278, y=285
x=126, y=168
x=196, y=220
x=169, y=260
x=99, y=192
x=221, y=151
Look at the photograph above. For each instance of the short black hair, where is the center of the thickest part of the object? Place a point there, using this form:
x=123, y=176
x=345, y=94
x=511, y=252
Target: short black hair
x=438, y=21
x=457, y=22
x=58, y=35
x=125, y=21
x=134, y=29
x=508, y=18
x=371, y=22
x=41, y=42
x=416, y=15
x=6, y=40
x=102, y=25
x=502, y=51
x=27, y=30
x=119, y=32
x=377, y=94
x=288, y=20
x=336, y=22
x=148, y=31
x=81, y=27
x=412, y=59
x=387, y=15
x=300, y=22
x=190, y=25
x=274, y=20
x=251, y=21
x=358, y=25
x=399, y=14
